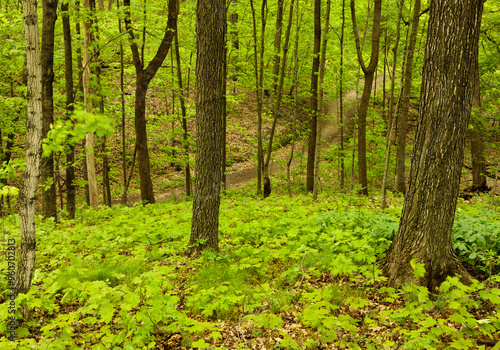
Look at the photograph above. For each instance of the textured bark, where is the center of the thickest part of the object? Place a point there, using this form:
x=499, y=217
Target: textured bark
x=49, y=205
x=403, y=117
x=143, y=78
x=311, y=150
x=27, y=194
x=369, y=72
x=210, y=43
x=445, y=103
x=70, y=99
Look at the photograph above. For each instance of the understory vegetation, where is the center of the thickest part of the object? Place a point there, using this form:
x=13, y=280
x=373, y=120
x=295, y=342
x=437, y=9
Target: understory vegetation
x=291, y=274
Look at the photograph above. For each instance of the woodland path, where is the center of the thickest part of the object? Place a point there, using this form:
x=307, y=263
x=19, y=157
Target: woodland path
x=247, y=170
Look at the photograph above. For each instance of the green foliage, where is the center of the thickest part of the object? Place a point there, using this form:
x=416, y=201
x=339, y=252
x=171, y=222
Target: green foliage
x=477, y=239
x=117, y=278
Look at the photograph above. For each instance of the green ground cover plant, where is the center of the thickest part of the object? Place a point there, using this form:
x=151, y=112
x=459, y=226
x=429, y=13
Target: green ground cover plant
x=291, y=274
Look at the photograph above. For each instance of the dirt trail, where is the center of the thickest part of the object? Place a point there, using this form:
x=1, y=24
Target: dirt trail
x=247, y=171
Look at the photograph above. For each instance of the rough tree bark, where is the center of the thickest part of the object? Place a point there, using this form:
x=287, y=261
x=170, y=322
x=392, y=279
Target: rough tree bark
x=27, y=194
x=445, y=103
x=369, y=72
x=403, y=117
x=49, y=205
x=210, y=43
x=143, y=78
x=311, y=150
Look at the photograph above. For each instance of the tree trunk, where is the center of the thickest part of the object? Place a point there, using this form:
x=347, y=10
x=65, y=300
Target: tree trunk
x=403, y=117
x=445, y=103
x=277, y=45
x=295, y=82
x=89, y=138
x=27, y=194
x=477, y=144
x=369, y=72
x=47, y=178
x=259, y=81
x=184, y=117
x=390, y=119
x=341, y=101
x=320, y=101
x=143, y=78
x=210, y=43
x=277, y=105
x=311, y=150
x=70, y=99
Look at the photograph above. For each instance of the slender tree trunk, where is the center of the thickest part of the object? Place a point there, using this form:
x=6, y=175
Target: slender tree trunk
x=477, y=143
x=277, y=105
x=403, y=116
x=143, y=78
x=106, y=186
x=259, y=81
x=89, y=138
x=341, y=100
x=277, y=45
x=210, y=43
x=47, y=176
x=311, y=150
x=184, y=117
x=369, y=72
x=320, y=101
x=446, y=97
x=27, y=194
x=295, y=82
x=391, y=118
x=123, y=116
x=70, y=148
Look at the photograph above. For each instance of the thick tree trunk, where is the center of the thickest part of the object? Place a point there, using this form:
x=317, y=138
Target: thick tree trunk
x=210, y=43
x=68, y=75
x=369, y=72
x=49, y=206
x=27, y=194
x=143, y=78
x=403, y=117
x=445, y=103
x=311, y=150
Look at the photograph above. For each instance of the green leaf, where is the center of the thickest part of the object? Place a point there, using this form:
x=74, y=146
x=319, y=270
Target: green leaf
x=418, y=268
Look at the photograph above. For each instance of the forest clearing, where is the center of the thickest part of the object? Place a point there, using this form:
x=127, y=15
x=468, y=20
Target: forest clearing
x=229, y=174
